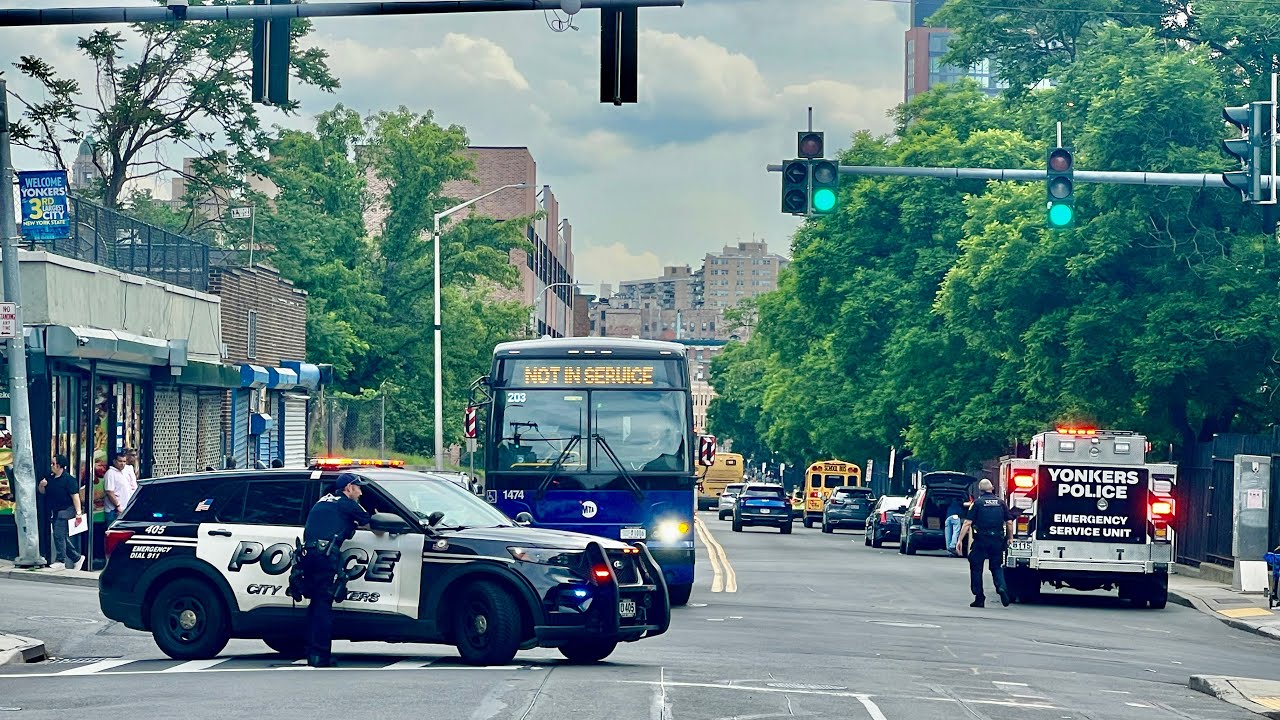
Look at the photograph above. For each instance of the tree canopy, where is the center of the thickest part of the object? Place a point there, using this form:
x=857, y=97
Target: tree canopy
x=942, y=316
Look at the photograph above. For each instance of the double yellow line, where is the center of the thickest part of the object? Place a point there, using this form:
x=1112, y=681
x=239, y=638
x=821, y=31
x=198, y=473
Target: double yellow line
x=724, y=579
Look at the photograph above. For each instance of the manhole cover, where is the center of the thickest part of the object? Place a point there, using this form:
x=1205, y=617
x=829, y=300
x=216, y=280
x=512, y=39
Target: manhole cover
x=804, y=686
x=63, y=620
x=903, y=624
x=81, y=660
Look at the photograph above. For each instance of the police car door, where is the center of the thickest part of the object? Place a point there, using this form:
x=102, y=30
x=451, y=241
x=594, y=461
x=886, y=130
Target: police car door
x=252, y=540
x=384, y=574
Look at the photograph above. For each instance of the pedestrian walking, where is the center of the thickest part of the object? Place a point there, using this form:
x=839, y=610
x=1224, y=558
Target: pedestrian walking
x=332, y=521
x=62, y=498
x=988, y=520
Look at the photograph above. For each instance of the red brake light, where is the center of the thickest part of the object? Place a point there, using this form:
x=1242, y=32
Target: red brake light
x=601, y=572
x=1162, y=507
x=1024, y=481
x=114, y=538
x=884, y=516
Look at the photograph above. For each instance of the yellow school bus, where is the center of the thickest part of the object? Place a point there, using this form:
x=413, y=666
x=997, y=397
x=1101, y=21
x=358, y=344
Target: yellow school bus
x=820, y=479
x=727, y=469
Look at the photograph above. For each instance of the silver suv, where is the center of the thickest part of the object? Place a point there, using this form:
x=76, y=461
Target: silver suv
x=728, y=499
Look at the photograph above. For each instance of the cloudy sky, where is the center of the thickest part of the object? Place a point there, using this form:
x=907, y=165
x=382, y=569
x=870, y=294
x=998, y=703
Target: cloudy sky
x=724, y=85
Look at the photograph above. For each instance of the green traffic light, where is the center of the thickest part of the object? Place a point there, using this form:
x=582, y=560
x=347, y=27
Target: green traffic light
x=1060, y=215
x=824, y=199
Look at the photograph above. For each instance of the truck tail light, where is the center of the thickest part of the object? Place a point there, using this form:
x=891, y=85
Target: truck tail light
x=1024, y=481
x=1023, y=525
x=1162, y=508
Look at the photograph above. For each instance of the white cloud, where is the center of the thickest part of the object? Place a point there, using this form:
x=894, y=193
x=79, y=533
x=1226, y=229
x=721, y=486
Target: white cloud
x=611, y=263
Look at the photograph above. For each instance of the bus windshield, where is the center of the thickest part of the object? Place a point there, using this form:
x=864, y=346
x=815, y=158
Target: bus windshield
x=629, y=431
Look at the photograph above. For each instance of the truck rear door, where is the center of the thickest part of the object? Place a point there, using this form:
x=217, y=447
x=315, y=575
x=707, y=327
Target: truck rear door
x=1092, y=504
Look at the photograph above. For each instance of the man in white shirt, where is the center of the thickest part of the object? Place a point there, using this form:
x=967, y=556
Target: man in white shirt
x=117, y=487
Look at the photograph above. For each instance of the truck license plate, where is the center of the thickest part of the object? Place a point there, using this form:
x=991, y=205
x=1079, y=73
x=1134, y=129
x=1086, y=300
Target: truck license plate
x=633, y=533
x=1020, y=545
x=765, y=511
x=627, y=608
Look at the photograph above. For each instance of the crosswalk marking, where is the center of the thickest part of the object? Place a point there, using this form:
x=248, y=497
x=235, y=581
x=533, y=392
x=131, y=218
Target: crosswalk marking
x=245, y=663
x=195, y=665
x=96, y=667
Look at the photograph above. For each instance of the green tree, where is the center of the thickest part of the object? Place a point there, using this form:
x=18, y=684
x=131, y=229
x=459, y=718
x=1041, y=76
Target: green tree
x=186, y=84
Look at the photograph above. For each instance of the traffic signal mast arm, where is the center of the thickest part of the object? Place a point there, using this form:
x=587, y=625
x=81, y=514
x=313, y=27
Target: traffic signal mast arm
x=1203, y=180
x=98, y=16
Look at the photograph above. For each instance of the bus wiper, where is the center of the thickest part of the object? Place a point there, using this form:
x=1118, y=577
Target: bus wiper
x=546, y=479
x=635, y=487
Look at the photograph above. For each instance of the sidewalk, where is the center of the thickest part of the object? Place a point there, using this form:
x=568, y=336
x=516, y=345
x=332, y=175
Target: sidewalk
x=1244, y=611
x=18, y=649
x=1258, y=696
x=63, y=577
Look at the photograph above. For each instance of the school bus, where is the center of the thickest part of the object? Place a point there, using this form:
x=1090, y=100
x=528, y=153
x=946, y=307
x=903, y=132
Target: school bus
x=727, y=469
x=820, y=479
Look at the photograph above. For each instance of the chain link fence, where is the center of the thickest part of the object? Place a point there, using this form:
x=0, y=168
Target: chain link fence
x=344, y=426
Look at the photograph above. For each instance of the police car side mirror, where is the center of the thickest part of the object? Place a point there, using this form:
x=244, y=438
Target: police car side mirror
x=388, y=523
x=524, y=518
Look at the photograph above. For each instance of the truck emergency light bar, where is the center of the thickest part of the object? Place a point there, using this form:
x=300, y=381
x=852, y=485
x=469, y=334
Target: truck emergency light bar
x=336, y=463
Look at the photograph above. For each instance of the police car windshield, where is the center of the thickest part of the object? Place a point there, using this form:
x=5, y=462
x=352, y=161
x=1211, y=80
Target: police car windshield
x=427, y=495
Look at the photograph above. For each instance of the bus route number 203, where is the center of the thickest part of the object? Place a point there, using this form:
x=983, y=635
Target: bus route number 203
x=512, y=494
x=517, y=397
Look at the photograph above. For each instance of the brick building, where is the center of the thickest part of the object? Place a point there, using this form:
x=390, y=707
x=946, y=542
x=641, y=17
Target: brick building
x=551, y=259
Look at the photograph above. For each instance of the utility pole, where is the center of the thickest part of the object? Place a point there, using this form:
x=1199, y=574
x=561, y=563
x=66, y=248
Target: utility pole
x=24, y=472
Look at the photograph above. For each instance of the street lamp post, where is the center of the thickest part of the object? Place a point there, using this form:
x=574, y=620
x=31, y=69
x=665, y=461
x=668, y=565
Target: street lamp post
x=439, y=381
x=543, y=298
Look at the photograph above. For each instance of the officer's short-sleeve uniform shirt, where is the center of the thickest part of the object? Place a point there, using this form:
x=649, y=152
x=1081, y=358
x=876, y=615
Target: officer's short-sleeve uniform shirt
x=334, y=517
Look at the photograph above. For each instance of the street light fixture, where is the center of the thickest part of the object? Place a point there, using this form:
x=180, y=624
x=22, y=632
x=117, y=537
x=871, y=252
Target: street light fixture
x=543, y=299
x=439, y=381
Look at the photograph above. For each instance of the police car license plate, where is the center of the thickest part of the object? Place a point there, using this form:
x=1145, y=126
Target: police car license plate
x=1020, y=545
x=633, y=533
x=627, y=608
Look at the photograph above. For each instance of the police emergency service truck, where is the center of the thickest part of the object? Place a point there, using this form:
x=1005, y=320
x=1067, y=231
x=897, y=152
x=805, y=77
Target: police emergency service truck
x=1092, y=514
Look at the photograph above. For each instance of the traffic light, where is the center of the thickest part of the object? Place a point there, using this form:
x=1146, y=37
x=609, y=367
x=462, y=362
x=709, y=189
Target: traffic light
x=810, y=144
x=1254, y=122
x=270, y=58
x=826, y=187
x=795, y=187
x=1060, y=185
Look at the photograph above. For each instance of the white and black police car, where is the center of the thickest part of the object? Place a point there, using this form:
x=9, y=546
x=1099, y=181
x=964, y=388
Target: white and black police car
x=199, y=559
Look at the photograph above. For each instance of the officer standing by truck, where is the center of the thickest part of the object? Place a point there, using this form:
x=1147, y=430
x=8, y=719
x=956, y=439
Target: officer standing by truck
x=332, y=521
x=988, y=519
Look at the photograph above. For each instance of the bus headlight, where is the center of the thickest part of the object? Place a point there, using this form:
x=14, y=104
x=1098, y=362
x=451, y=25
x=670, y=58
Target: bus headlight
x=671, y=531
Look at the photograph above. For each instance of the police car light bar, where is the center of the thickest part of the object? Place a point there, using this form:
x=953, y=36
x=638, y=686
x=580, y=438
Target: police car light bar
x=1082, y=431
x=336, y=463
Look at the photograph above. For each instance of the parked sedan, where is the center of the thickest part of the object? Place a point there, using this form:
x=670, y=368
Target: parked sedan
x=847, y=507
x=885, y=521
x=728, y=499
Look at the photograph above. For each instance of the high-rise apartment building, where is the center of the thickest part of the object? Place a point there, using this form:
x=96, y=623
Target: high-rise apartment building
x=925, y=47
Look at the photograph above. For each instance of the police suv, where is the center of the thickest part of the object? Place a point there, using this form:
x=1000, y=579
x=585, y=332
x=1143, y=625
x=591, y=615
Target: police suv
x=199, y=559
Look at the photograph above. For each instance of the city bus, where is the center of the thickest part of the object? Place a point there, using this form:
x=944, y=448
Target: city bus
x=595, y=435
x=820, y=479
x=727, y=469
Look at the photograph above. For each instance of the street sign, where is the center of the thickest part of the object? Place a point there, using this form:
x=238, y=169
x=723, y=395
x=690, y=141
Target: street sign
x=45, y=215
x=241, y=213
x=469, y=423
x=707, y=450
x=472, y=443
x=8, y=320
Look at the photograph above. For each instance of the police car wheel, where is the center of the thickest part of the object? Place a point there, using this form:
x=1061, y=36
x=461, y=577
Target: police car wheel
x=588, y=650
x=290, y=647
x=486, y=625
x=188, y=621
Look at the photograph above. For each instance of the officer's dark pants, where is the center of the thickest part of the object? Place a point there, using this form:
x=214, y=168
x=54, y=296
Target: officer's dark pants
x=987, y=548
x=320, y=573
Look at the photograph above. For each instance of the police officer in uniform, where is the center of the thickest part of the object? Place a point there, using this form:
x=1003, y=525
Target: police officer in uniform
x=988, y=520
x=332, y=521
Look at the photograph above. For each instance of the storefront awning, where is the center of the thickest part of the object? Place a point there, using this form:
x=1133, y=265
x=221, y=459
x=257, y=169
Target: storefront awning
x=308, y=373
x=206, y=374
x=98, y=344
x=253, y=376
x=282, y=378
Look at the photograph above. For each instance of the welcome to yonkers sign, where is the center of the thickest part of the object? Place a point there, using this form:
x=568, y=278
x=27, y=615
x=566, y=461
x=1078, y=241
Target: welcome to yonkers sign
x=1093, y=504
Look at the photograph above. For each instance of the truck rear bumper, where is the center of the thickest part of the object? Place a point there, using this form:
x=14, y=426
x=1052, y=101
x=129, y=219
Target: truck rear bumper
x=1088, y=566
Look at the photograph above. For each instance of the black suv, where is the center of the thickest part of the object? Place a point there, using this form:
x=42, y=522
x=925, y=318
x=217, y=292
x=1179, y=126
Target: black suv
x=762, y=505
x=198, y=559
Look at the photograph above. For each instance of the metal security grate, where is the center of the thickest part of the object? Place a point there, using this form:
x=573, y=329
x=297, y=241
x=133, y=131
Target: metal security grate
x=166, y=431
x=209, y=450
x=189, y=409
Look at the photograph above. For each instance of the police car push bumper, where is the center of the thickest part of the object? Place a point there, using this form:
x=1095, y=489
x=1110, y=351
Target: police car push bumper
x=625, y=600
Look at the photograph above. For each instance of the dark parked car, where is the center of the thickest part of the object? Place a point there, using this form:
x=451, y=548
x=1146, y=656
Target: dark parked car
x=924, y=524
x=763, y=505
x=847, y=507
x=885, y=521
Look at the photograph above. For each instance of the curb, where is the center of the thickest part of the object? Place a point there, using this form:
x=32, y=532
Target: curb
x=1192, y=601
x=29, y=651
x=35, y=576
x=1222, y=689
